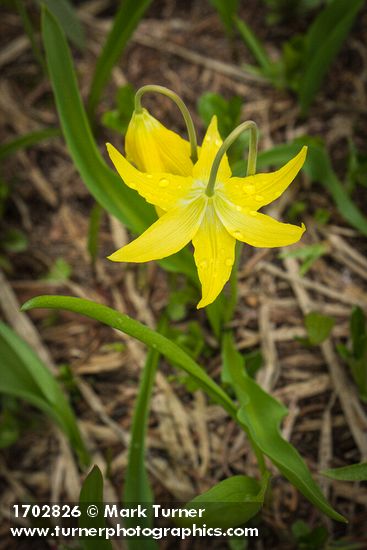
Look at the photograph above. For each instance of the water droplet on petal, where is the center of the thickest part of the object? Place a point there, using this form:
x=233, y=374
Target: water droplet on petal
x=218, y=142
x=248, y=188
x=237, y=234
x=238, y=208
x=163, y=182
x=229, y=262
x=259, y=198
x=253, y=213
x=149, y=176
x=208, y=138
x=203, y=264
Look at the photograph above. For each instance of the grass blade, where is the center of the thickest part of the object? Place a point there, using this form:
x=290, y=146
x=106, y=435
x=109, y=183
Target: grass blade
x=254, y=45
x=23, y=375
x=137, y=487
x=124, y=24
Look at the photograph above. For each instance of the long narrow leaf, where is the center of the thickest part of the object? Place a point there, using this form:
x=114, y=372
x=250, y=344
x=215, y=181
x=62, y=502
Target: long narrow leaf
x=254, y=45
x=104, y=184
x=23, y=375
x=139, y=331
x=137, y=487
x=124, y=24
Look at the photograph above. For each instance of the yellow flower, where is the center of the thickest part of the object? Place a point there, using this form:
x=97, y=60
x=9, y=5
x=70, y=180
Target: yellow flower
x=152, y=147
x=212, y=223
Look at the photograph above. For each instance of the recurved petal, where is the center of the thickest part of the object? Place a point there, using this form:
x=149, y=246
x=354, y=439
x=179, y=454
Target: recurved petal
x=261, y=189
x=154, y=148
x=209, y=149
x=255, y=228
x=214, y=255
x=166, y=236
x=163, y=190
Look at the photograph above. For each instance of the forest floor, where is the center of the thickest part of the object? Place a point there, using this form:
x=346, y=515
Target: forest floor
x=192, y=443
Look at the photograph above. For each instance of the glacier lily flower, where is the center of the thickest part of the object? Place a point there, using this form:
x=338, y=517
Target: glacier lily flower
x=212, y=212
x=152, y=147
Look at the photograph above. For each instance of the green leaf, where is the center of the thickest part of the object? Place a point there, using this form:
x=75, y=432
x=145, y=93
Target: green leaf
x=124, y=24
x=318, y=327
x=263, y=430
x=92, y=493
x=309, y=254
x=354, y=472
x=65, y=14
x=104, y=184
x=142, y=333
x=24, y=376
x=27, y=140
x=324, y=39
x=230, y=503
x=319, y=169
x=137, y=487
x=60, y=271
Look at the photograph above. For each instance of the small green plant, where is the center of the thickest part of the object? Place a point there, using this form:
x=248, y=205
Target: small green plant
x=308, y=254
x=286, y=10
x=305, y=59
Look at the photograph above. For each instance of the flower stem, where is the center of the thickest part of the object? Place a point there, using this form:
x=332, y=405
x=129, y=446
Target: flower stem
x=180, y=104
x=252, y=152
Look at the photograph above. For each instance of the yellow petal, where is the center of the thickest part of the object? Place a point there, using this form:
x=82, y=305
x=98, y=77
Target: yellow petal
x=261, y=189
x=166, y=236
x=209, y=149
x=214, y=255
x=163, y=190
x=254, y=228
x=154, y=148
